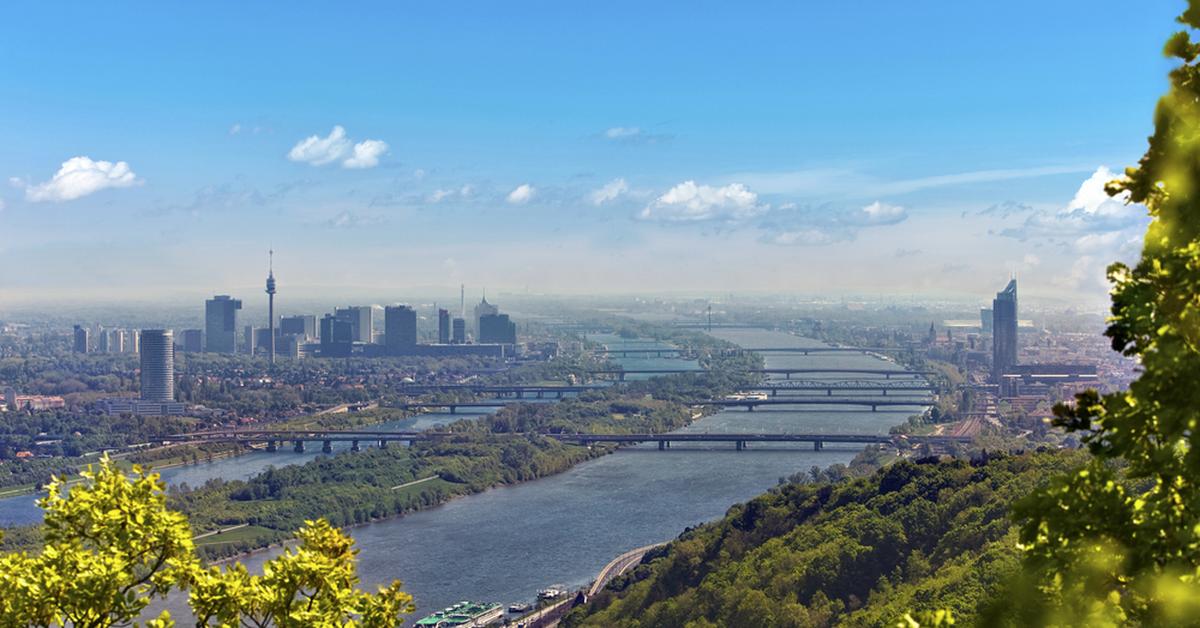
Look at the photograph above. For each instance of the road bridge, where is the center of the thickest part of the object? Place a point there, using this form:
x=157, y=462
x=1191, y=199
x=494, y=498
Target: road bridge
x=883, y=386
x=788, y=372
x=518, y=391
x=273, y=438
x=741, y=440
x=873, y=404
x=675, y=351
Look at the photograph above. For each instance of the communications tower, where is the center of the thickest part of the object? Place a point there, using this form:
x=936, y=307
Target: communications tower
x=271, y=302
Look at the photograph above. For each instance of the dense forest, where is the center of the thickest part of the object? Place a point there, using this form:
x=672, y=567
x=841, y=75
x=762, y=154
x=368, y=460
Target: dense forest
x=862, y=552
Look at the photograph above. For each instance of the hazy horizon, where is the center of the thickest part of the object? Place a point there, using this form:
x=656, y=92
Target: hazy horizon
x=704, y=153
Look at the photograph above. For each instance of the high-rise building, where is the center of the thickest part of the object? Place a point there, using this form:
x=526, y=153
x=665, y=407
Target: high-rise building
x=248, y=344
x=102, y=340
x=497, y=329
x=483, y=309
x=192, y=340
x=133, y=341
x=158, y=365
x=271, y=303
x=81, y=339
x=399, y=329
x=985, y=319
x=459, y=336
x=262, y=339
x=116, y=341
x=304, y=325
x=1004, y=331
x=337, y=337
x=443, y=326
x=361, y=319
x=220, y=324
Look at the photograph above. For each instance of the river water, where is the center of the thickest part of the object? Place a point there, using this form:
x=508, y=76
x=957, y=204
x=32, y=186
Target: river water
x=23, y=509
x=504, y=544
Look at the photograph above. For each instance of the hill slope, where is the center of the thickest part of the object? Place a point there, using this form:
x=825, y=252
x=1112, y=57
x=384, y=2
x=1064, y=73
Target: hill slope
x=915, y=535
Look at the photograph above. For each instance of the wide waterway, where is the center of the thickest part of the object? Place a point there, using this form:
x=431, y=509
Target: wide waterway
x=504, y=544
x=23, y=509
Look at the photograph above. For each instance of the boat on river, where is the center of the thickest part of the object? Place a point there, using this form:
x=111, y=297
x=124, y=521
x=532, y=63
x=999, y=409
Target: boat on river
x=463, y=615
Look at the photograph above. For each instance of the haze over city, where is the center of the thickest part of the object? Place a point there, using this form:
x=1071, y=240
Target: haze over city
x=610, y=315
x=829, y=149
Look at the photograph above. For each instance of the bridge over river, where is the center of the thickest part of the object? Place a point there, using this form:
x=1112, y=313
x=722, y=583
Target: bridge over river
x=679, y=351
x=327, y=437
x=748, y=403
x=788, y=372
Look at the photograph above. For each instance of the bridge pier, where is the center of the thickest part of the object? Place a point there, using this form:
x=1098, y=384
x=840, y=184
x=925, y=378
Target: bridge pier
x=271, y=447
x=874, y=408
x=383, y=443
x=354, y=446
x=539, y=394
x=774, y=392
x=818, y=445
x=829, y=392
x=327, y=447
x=662, y=445
x=298, y=447
x=750, y=407
x=883, y=391
x=453, y=409
x=621, y=376
x=741, y=444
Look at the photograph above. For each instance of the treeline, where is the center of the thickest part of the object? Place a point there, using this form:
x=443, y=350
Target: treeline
x=925, y=534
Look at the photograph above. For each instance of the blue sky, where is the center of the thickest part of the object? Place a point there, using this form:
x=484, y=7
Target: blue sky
x=801, y=147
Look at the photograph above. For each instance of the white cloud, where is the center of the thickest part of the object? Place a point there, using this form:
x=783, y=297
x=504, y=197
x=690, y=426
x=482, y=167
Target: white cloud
x=689, y=202
x=319, y=151
x=609, y=191
x=235, y=129
x=442, y=194
x=634, y=135
x=80, y=176
x=878, y=213
x=522, y=194
x=366, y=154
x=1, y=204
x=1091, y=210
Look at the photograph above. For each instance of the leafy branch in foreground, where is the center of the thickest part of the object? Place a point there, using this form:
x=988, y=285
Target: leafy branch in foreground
x=112, y=545
x=1119, y=540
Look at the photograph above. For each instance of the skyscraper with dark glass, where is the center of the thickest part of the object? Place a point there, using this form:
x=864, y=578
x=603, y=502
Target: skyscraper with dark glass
x=157, y=352
x=220, y=324
x=1004, y=331
x=400, y=329
x=81, y=339
x=497, y=329
x=443, y=326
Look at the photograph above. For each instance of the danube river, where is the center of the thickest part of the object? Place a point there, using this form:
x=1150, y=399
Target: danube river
x=505, y=544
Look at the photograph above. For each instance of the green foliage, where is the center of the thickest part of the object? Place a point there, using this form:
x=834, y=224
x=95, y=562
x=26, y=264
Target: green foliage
x=312, y=585
x=109, y=547
x=1105, y=541
x=859, y=553
x=112, y=545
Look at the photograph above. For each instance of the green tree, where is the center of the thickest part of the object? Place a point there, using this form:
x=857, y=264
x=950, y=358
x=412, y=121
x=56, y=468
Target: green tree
x=313, y=585
x=1117, y=540
x=112, y=545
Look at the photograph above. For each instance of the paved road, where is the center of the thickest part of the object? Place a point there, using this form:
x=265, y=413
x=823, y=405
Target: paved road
x=618, y=566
